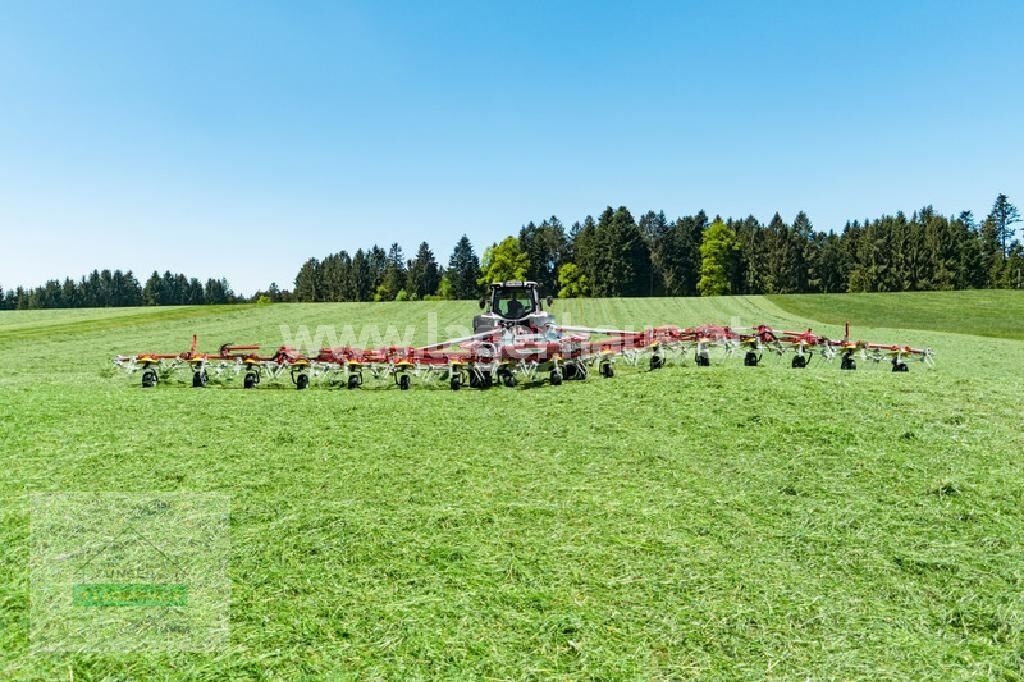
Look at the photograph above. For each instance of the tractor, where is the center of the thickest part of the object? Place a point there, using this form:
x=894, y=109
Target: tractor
x=513, y=304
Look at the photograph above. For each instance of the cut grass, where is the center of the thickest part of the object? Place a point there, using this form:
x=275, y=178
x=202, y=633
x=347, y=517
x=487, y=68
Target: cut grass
x=727, y=522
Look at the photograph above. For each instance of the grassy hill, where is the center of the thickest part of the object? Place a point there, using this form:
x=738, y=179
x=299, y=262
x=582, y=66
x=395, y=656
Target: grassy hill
x=723, y=522
x=991, y=312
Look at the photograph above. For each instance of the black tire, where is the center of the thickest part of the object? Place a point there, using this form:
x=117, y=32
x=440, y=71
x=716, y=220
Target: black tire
x=249, y=381
x=488, y=380
x=750, y=359
x=302, y=381
x=556, y=378
x=404, y=382
x=148, y=379
x=570, y=372
x=354, y=381
x=848, y=363
x=199, y=379
x=703, y=360
x=607, y=371
x=799, y=362
x=456, y=382
x=900, y=366
x=656, y=362
x=510, y=380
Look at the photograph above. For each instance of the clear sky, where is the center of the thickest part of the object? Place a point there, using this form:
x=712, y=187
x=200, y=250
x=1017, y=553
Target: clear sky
x=238, y=139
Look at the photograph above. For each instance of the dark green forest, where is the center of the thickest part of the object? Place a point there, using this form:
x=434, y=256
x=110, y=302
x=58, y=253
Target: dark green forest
x=102, y=289
x=617, y=254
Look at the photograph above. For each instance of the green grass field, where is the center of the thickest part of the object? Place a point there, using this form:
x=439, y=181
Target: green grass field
x=991, y=312
x=722, y=523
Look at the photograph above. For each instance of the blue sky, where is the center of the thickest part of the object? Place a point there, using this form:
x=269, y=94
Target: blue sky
x=238, y=139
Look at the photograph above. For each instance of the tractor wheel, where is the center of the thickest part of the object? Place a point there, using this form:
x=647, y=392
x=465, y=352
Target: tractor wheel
x=656, y=362
x=556, y=378
x=404, y=382
x=199, y=379
x=148, y=379
x=250, y=380
x=456, y=382
x=353, y=381
x=607, y=371
x=302, y=381
x=799, y=362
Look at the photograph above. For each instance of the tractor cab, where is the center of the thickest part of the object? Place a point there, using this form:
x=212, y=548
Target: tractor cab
x=512, y=303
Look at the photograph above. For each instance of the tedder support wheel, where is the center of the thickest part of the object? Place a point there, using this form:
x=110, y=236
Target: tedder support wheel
x=556, y=378
x=703, y=361
x=302, y=381
x=656, y=362
x=404, y=382
x=506, y=377
x=799, y=362
x=750, y=359
x=250, y=380
x=353, y=381
x=456, y=382
x=900, y=366
x=848, y=363
x=199, y=379
x=607, y=371
x=148, y=379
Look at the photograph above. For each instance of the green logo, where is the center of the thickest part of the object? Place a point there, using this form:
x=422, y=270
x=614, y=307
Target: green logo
x=129, y=594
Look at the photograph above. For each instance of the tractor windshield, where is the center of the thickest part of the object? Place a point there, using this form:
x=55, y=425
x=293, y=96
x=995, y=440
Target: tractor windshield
x=513, y=304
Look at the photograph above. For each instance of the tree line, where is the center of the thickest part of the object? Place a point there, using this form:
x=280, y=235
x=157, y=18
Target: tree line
x=103, y=288
x=616, y=254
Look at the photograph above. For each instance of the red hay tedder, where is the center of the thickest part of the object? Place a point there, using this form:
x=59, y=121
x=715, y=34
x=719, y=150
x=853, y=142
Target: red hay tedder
x=515, y=340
